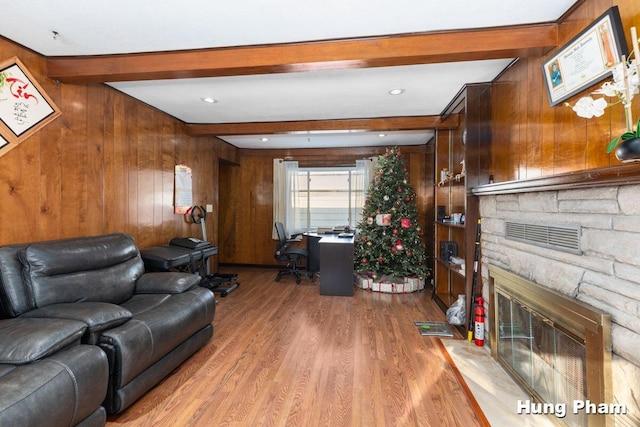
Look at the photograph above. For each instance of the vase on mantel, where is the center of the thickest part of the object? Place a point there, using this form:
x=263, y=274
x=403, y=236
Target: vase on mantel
x=628, y=150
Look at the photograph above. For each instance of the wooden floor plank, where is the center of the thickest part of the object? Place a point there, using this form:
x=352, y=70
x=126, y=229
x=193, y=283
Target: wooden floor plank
x=284, y=355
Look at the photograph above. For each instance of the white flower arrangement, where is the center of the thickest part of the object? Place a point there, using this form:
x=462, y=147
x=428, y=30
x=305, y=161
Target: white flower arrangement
x=625, y=84
x=589, y=107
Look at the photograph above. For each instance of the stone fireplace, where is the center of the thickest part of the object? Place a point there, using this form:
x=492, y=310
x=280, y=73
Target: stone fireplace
x=604, y=272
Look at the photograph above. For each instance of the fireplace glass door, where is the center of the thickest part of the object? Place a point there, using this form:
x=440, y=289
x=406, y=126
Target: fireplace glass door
x=547, y=361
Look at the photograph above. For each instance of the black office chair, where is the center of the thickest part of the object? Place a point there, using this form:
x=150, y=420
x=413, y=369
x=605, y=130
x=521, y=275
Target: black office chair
x=291, y=255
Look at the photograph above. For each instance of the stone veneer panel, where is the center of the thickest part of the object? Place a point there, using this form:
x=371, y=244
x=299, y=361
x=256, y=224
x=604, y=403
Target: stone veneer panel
x=606, y=275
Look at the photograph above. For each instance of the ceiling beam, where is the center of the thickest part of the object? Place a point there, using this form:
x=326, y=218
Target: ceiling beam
x=376, y=124
x=423, y=48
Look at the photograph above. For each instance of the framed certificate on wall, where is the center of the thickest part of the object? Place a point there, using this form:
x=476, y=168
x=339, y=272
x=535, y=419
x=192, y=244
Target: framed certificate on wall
x=587, y=59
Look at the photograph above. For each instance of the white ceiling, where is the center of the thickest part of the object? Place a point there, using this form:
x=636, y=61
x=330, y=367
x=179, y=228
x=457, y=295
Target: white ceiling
x=100, y=27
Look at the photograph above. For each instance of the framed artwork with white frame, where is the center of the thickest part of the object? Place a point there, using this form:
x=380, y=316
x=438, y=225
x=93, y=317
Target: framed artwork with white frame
x=24, y=106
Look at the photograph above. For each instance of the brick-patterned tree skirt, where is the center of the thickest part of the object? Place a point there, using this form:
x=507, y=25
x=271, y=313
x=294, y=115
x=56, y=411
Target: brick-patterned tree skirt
x=393, y=285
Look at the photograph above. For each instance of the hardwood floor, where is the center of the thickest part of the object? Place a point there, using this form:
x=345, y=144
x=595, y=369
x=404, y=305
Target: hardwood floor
x=283, y=355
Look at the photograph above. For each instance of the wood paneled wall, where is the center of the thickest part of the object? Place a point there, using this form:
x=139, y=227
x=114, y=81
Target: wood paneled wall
x=531, y=139
x=246, y=196
x=105, y=165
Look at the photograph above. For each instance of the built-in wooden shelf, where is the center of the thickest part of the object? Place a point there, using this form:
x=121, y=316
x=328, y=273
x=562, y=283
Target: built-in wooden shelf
x=456, y=179
x=469, y=145
x=450, y=224
x=457, y=269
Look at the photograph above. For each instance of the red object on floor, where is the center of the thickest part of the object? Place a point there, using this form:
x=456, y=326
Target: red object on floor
x=478, y=334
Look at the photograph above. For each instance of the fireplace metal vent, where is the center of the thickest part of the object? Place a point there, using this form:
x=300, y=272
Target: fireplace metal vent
x=564, y=237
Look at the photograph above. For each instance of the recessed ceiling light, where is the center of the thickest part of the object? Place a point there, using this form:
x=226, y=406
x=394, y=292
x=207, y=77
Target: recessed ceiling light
x=396, y=91
x=208, y=100
x=382, y=135
x=264, y=139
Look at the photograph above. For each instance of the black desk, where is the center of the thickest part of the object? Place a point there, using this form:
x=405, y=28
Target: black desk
x=333, y=257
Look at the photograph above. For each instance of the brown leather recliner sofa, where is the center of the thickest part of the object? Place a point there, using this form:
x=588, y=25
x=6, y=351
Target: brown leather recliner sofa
x=85, y=331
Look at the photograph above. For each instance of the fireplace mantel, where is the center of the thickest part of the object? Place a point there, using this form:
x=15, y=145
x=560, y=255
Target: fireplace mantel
x=612, y=175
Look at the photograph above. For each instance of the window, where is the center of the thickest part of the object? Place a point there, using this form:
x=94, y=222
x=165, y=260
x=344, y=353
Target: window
x=308, y=198
x=328, y=197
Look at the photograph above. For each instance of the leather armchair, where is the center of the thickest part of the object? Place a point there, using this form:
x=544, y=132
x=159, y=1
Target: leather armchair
x=46, y=378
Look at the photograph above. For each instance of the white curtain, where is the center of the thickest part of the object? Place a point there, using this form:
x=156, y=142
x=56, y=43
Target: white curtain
x=292, y=219
x=285, y=186
x=364, y=174
x=279, y=208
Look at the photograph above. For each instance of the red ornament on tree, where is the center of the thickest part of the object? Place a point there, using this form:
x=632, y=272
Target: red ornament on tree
x=405, y=222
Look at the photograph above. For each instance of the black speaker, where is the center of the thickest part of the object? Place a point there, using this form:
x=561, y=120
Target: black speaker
x=441, y=213
x=448, y=249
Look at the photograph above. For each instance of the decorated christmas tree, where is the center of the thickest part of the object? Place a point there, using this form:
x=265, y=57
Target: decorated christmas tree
x=389, y=239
